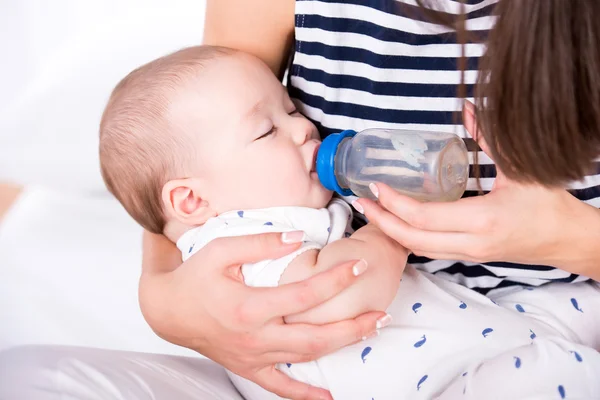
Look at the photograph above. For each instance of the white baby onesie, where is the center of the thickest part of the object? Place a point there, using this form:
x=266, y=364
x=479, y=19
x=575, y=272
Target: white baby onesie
x=321, y=226
x=446, y=341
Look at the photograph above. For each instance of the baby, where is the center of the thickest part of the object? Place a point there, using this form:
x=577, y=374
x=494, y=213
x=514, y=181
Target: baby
x=205, y=143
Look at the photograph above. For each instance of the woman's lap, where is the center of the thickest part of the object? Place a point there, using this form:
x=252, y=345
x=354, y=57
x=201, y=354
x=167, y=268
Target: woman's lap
x=57, y=372
x=49, y=372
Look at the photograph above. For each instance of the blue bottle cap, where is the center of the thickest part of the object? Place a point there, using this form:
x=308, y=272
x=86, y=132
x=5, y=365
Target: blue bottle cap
x=326, y=161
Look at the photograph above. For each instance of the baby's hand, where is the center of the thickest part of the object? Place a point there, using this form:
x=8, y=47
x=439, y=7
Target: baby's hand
x=379, y=261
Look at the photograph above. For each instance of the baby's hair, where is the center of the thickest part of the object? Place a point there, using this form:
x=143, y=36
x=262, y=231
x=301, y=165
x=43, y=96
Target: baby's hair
x=140, y=148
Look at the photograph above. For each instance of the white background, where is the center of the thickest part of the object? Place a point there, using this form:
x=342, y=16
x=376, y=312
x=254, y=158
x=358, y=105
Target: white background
x=69, y=255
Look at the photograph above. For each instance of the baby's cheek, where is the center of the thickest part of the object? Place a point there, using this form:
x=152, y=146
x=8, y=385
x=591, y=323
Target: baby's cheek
x=277, y=178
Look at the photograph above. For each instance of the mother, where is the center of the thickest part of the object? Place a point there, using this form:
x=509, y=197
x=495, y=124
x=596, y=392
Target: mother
x=378, y=63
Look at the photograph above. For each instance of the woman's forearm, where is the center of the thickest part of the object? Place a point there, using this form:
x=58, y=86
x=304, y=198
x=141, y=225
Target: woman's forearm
x=579, y=248
x=159, y=257
x=159, y=254
x=8, y=195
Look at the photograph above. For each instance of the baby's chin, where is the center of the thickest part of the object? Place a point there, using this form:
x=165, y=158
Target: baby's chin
x=316, y=199
x=321, y=198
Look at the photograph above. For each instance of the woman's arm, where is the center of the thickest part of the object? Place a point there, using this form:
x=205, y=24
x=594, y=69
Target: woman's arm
x=8, y=194
x=579, y=249
x=525, y=225
x=263, y=28
x=520, y=223
x=202, y=305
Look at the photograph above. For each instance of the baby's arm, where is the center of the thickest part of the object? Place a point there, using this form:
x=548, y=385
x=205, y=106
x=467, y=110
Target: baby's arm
x=373, y=291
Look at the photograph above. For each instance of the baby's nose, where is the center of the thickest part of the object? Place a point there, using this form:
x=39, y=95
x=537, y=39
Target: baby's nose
x=302, y=131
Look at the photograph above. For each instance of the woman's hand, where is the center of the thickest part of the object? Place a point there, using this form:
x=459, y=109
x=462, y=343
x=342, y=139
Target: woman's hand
x=8, y=195
x=520, y=223
x=203, y=305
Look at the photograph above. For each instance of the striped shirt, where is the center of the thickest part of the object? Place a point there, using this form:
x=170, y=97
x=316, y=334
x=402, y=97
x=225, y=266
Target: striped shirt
x=362, y=64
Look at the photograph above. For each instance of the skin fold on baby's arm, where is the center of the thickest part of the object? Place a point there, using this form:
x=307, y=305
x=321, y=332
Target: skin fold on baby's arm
x=373, y=291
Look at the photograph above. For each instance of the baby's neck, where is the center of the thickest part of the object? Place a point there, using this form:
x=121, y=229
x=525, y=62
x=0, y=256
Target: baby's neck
x=174, y=230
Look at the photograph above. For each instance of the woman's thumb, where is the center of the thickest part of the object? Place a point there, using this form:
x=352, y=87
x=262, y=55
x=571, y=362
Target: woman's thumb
x=470, y=122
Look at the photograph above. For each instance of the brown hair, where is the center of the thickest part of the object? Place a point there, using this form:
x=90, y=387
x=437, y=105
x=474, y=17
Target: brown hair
x=538, y=91
x=140, y=149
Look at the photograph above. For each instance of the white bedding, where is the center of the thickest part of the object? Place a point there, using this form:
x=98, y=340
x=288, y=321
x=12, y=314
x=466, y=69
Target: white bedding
x=69, y=267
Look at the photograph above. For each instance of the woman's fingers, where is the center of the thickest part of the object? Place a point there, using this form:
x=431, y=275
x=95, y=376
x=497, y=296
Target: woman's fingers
x=282, y=385
x=256, y=306
x=314, y=341
x=417, y=240
x=464, y=258
x=470, y=123
x=293, y=298
x=285, y=357
x=251, y=248
x=432, y=216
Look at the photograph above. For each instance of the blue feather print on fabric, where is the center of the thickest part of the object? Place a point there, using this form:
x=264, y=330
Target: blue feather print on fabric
x=562, y=392
x=421, y=342
x=532, y=334
x=576, y=305
x=519, y=308
x=577, y=356
x=365, y=353
x=517, y=362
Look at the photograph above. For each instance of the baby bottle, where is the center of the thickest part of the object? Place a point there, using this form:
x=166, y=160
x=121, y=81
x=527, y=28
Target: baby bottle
x=427, y=166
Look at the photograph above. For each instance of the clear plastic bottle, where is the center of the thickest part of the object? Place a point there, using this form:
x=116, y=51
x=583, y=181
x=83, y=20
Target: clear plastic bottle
x=427, y=166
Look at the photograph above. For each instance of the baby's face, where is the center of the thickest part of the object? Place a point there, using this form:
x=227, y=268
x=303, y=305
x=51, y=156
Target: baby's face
x=254, y=150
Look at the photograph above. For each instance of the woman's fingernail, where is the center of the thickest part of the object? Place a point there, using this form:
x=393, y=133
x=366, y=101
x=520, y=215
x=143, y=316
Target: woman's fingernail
x=325, y=396
x=358, y=207
x=469, y=107
x=374, y=189
x=292, y=237
x=371, y=335
x=359, y=267
x=383, y=321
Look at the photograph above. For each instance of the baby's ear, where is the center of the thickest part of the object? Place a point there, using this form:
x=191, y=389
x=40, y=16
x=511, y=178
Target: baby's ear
x=182, y=200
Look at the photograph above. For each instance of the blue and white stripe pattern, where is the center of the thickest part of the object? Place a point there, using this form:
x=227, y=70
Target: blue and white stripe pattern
x=378, y=63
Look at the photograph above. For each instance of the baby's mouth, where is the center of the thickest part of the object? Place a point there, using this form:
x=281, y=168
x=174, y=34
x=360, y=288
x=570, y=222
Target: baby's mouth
x=314, y=160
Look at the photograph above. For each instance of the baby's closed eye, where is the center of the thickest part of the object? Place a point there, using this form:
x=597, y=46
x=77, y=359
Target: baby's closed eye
x=267, y=134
